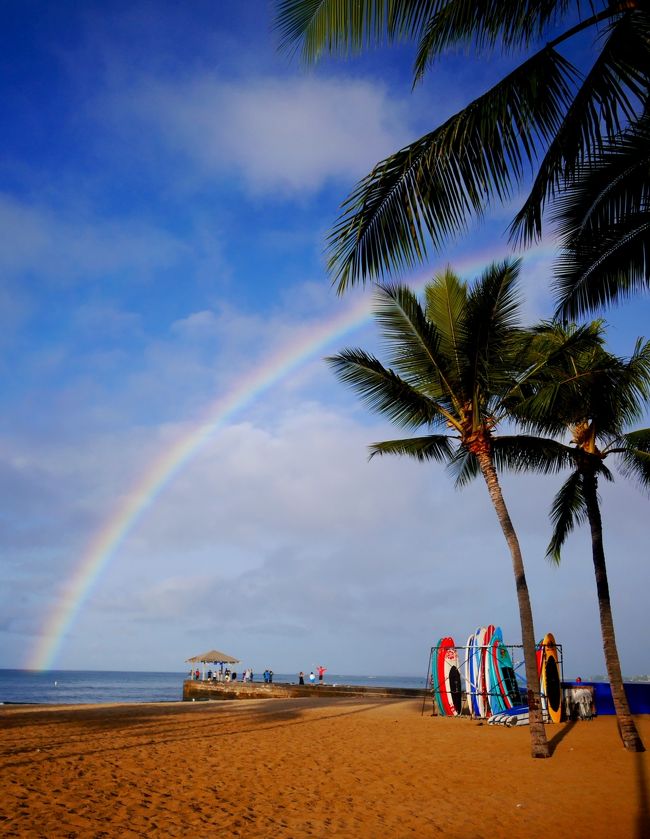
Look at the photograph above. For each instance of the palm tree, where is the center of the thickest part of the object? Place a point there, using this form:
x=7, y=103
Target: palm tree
x=594, y=397
x=546, y=116
x=455, y=365
x=605, y=225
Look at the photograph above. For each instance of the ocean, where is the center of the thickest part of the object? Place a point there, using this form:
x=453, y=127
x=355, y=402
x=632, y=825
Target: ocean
x=73, y=687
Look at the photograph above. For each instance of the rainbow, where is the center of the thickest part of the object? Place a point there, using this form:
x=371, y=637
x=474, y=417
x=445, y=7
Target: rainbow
x=143, y=494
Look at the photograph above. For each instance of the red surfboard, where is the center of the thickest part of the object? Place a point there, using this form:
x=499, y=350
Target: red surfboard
x=448, y=673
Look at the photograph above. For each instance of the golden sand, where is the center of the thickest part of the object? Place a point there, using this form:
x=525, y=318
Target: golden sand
x=311, y=767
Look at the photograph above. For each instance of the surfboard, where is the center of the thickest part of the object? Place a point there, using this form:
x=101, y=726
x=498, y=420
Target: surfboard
x=434, y=677
x=539, y=658
x=469, y=681
x=486, y=680
x=471, y=684
x=505, y=685
x=550, y=682
x=517, y=715
x=497, y=689
x=448, y=677
x=476, y=670
x=482, y=702
x=456, y=687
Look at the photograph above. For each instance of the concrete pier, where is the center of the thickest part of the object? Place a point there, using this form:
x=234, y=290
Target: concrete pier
x=197, y=691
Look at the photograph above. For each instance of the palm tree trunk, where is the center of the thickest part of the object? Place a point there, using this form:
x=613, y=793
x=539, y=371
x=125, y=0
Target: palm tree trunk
x=538, y=741
x=629, y=734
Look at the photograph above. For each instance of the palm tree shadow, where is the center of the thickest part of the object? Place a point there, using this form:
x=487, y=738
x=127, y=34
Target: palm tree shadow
x=643, y=818
x=556, y=739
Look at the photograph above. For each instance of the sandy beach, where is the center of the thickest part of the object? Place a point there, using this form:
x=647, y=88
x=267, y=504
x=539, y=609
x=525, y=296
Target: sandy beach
x=310, y=767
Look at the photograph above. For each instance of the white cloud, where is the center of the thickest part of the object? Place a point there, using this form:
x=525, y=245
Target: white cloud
x=284, y=543
x=290, y=135
x=196, y=326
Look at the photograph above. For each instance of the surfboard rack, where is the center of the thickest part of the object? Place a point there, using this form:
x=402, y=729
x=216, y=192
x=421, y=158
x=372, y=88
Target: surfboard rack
x=516, y=654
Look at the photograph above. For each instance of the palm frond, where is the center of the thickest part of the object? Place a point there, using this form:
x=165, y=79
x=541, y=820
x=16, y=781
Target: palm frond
x=527, y=453
x=537, y=411
x=433, y=447
x=429, y=189
x=480, y=26
x=610, y=268
x=594, y=395
x=604, y=221
x=635, y=457
x=621, y=399
x=413, y=343
x=639, y=368
x=492, y=320
x=317, y=26
x=446, y=306
x=551, y=344
x=602, y=471
x=567, y=511
x=553, y=355
x=384, y=391
x=573, y=379
x=463, y=467
x=314, y=27
x=616, y=82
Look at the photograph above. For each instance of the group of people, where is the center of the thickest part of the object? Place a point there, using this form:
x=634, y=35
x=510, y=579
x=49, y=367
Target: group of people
x=312, y=678
x=225, y=675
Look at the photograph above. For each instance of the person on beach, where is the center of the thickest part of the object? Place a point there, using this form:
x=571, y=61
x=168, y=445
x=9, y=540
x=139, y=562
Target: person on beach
x=270, y=676
x=312, y=678
x=321, y=672
x=301, y=678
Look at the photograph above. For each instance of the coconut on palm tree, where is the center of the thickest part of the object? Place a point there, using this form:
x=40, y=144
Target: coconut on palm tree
x=594, y=397
x=454, y=366
x=547, y=117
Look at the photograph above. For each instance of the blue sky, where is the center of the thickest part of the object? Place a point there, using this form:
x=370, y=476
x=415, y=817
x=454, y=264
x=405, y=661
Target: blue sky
x=167, y=180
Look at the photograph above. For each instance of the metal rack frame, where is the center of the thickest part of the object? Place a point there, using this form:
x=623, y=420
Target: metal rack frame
x=461, y=666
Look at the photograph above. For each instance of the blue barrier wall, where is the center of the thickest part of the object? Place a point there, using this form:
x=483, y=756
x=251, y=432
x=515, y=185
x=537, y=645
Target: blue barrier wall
x=638, y=696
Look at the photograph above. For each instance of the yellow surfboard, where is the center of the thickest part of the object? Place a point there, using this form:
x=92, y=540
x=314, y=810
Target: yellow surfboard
x=549, y=678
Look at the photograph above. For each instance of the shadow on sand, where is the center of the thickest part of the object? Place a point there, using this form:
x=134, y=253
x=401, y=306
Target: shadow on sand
x=643, y=814
x=643, y=818
x=134, y=726
x=556, y=739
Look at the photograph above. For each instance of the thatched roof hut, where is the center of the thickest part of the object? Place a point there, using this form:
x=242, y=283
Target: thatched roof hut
x=213, y=657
